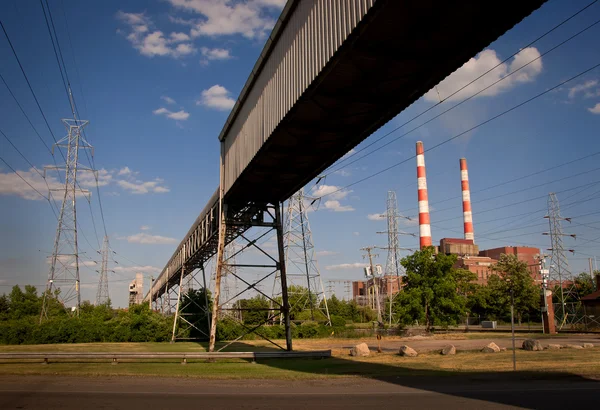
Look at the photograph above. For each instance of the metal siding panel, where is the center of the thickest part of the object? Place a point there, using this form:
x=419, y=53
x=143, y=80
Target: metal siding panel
x=315, y=30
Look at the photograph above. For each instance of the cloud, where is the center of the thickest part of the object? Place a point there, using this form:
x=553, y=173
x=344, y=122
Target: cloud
x=347, y=154
x=88, y=179
x=124, y=171
x=179, y=115
x=326, y=253
x=144, y=228
x=335, y=206
x=211, y=54
x=141, y=187
x=137, y=269
x=356, y=265
x=85, y=263
x=167, y=99
x=480, y=64
x=573, y=91
x=154, y=43
x=331, y=191
x=216, y=97
x=250, y=19
x=595, y=109
x=376, y=217
x=148, y=239
x=12, y=184
x=343, y=173
x=356, y=233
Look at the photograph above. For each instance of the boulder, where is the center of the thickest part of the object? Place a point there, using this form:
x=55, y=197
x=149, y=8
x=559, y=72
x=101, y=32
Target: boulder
x=553, y=347
x=573, y=347
x=450, y=349
x=360, y=350
x=532, y=345
x=491, y=348
x=588, y=345
x=408, y=351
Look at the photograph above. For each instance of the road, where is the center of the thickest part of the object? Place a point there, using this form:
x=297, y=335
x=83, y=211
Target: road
x=37, y=392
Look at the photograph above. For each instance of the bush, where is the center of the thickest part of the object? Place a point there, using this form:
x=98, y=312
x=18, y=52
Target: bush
x=337, y=321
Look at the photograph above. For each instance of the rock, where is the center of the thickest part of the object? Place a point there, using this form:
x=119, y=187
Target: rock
x=503, y=349
x=553, y=347
x=450, y=349
x=588, y=345
x=532, y=345
x=491, y=348
x=408, y=351
x=573, y=347
x=360, y=350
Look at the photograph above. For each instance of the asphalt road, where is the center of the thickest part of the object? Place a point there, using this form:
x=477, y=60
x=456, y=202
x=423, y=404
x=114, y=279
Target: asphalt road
x=37, y=392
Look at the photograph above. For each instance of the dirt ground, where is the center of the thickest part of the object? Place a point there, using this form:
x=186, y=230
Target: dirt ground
x=431, y=343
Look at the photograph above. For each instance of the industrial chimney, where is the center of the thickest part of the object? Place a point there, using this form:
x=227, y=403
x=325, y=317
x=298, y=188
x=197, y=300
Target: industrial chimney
x=466, y=200
x=424, y=222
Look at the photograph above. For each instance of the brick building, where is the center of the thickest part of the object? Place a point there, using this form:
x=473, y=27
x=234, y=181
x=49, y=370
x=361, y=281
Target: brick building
x=363, y=290
x=523, y=253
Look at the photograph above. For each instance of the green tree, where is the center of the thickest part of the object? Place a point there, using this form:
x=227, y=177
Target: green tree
x=196, y=311
x=584, y=284
x=434, y=292
x=513, y=275
x=259, y=312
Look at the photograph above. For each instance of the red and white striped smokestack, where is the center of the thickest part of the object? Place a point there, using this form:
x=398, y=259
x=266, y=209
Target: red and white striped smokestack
x=424, y=222
x=466, y=198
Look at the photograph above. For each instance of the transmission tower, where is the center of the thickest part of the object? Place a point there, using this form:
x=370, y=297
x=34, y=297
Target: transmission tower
x=229, y=284
x=64, y=268
x=102, y=293
x=305, y=287
x=560, y=273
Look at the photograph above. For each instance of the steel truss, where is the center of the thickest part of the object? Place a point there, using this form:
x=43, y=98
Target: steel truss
x=189, y=314
x=303, y=277
x=235, y=221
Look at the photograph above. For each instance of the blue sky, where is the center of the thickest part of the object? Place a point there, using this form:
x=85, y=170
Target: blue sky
x=156, y=79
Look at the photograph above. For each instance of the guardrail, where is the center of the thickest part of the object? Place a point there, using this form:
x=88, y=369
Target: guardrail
x=184, y=357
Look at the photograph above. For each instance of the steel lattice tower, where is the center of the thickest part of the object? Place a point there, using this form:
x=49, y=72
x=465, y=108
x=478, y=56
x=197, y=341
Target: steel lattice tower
x=102, y=293
x=229, y=283
x=392, y=265
x=560, y=273
x=64, y=270
x=300, y=260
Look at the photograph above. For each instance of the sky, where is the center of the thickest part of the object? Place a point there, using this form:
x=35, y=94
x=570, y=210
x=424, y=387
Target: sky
x=156, y=79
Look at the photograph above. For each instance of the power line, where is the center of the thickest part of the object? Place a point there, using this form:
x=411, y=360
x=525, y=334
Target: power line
x=24, y=180
x=462, y=88
x=466, y=131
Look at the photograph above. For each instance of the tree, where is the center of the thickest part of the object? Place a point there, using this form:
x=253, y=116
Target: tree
x=255, y=311
x=584, y=284
x=434, y=292
x=513, y=275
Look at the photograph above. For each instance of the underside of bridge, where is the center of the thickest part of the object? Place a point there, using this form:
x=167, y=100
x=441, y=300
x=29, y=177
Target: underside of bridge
x=398, y=52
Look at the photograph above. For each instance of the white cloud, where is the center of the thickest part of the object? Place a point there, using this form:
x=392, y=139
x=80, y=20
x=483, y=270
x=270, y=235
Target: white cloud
x=480, y=64
x=376, y=217
x=12, y=184
x=326, y=253
x=215, y=53
x=356, y=233
x=216, y=97
x=343, y=173
x=167, y=99
x=148, y=239
x=144, y=228
x=335, y=206
x=136, y=269
x=85, y=263
x=141, y=187
x=347, y=154
x=331, y=191
x=154, y=43
x=573, y=91
x=124, y=171
x=250, y=19
x=178, y=115
x=356, y=265
x=177, y=37
x=88, y=179
x=595, y=109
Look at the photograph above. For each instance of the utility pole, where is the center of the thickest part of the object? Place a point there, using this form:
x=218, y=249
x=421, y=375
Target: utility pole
x=102, y=293
x=368, y=249
x=64, y=265
x=591, y=269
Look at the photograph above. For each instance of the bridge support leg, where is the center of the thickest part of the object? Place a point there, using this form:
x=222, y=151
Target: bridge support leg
x=218, y=274
x=282, y=275
x=176, y=317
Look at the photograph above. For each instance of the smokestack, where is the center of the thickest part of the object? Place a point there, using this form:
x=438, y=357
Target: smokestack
x=424, y=222
x=466, y=198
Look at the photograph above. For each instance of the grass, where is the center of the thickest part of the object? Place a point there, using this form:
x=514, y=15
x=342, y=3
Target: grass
x=548, y=363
